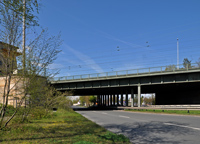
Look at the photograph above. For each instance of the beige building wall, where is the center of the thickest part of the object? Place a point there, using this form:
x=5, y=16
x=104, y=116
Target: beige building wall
x=15, y=94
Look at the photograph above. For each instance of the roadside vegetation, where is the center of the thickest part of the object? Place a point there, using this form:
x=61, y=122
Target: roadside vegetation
x=63, y=126
x=182, y=112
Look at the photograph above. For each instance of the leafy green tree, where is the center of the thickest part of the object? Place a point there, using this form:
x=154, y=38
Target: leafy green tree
x=187, y=63
x=93, y=99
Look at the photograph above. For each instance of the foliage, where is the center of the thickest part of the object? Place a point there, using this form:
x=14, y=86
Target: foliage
x=115, y=138
x=29, y=82
x=182, y=112
x=83, y=142
x=170, y=68
x=150, y=100
x=16, y=6
x=92, y=99
x=186, y=63
x=62, y=127
x=76, y=100
x=84, y=100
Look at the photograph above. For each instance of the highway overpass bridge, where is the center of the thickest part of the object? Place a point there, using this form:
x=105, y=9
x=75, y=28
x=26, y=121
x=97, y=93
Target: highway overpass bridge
x=171, y=85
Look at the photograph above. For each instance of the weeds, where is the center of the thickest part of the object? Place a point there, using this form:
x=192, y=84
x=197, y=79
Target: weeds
x=63, y=127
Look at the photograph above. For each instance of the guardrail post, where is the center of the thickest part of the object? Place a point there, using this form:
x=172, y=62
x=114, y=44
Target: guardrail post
x=126, y=72
x=81, y=77
x=137, y=71
x=187, y=67
x=161, y=69
x=73, y=77
x=107, y=74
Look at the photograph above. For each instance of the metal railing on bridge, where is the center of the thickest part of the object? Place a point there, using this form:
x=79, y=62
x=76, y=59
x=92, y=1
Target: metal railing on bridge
x=142, y=71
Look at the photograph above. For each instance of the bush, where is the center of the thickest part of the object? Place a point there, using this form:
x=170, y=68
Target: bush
x=40, y=112
x=115, y=137
x=83, y=142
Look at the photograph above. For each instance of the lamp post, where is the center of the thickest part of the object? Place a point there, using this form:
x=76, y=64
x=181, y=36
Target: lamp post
x=177, y=54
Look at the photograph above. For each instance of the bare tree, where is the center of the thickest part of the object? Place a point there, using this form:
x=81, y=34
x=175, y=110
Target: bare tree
x=40, y=53
x=198, y=62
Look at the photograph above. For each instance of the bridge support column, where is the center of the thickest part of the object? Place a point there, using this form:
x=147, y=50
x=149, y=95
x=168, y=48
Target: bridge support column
x=101, y=100
x=126, y=98
x=122, y=99
x=139, y=95
x=111, y=99
x=105, y=99
x=114, y=99
x=98, y=99
x=132, y=98
x=108, y=100
x=118, y=99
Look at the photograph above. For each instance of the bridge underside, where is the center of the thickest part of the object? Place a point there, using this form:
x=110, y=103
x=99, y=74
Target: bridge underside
x=165, y=94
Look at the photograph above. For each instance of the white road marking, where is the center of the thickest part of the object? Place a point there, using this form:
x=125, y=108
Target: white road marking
x=123, y=116
x=182, y=126
x=104, y=113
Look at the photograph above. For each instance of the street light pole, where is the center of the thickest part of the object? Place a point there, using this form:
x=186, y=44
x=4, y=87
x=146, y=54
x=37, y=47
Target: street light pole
x=177, y=54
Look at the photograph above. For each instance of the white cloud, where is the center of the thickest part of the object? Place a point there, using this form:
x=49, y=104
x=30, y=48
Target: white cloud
x=86, y=59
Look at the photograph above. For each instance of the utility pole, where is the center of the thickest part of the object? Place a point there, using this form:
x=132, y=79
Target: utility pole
x=177, y=54
x=24, y=36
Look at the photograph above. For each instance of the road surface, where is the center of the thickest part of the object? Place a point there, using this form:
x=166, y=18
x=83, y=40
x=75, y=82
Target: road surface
x=145, y=128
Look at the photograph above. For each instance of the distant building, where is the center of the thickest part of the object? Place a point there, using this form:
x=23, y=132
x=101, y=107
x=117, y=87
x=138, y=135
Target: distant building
x=8, y=64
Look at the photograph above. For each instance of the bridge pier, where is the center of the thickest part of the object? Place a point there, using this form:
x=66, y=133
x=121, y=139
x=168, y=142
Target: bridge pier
x=132, y=98
x=118, y=99
x=104, y=101
x=108, y=100
x=126, y=98
x=98, y=97
x=139, y=95
x=121, y=98
x=114, y=99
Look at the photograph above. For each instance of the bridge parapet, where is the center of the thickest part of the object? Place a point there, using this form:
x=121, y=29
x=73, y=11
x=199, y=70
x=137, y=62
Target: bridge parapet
x=170, y=69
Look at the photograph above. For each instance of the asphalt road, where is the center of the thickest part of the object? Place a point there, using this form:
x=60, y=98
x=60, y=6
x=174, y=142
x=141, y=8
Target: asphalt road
x=145, y=128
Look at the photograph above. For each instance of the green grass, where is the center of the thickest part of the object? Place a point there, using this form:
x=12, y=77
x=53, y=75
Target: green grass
x=64, y=127
x=182, y=112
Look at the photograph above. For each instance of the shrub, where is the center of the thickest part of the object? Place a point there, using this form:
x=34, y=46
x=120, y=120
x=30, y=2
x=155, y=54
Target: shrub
x=39, y=112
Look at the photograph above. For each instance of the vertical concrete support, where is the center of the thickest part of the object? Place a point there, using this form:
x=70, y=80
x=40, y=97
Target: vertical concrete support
x=114, y=99
x=98, y=100
x=101, y=100
x=117, y=99
x=126, y=98
x=105, y=99
x=132, y=98
x=108, y=100
x=122, y=99
x=111, y=99
x=139, y=95
x=99, y=103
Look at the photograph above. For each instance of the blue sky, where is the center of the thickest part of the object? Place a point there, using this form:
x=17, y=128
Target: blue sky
x=112, y=35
